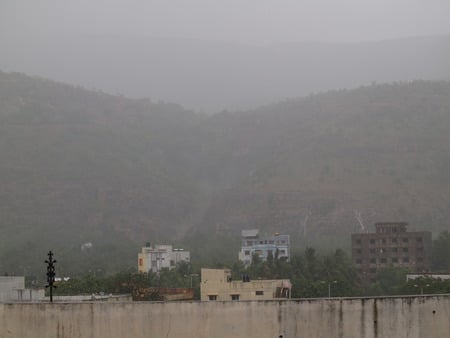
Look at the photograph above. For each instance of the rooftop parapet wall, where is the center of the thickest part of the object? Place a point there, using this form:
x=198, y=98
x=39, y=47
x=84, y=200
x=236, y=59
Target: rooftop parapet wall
x=390, y=227
x=418, y=316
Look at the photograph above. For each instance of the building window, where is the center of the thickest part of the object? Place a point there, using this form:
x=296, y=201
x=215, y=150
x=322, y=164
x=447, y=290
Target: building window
x=358, y=251
x=383, y=241
x=234, y=297
x=419, y=259
x=372, y=241
x=247, y=252
x=172, y=262
x=358, y=261
x=405, y=259
x=358, y=241
x=405, y=240
x=372, y=270
x=405, y=249
x=394, y=240
x=212, y=297
x=372, y=250
x=260, y=293
x=420, y=249
x=394, y=260
x=373, y=261
x=419, y=239
x=394, y=250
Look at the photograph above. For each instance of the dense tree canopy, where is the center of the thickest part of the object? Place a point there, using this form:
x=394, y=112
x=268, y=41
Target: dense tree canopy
x=441, y=252
x=312, y=275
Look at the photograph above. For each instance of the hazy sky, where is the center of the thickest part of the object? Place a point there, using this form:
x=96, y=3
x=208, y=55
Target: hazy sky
x=257, y=21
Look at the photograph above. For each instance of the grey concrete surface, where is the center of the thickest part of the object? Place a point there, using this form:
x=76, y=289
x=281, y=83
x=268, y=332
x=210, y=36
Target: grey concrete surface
x=415, y=316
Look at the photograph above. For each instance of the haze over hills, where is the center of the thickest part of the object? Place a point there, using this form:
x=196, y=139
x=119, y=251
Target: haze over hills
x=313, y=165
x=212, y=76
x=76, y=165
x=81, y=166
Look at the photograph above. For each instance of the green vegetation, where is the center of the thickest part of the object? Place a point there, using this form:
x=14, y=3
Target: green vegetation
x=131, y=282
x=441, y=252
x=312, y=276
x=80, y=166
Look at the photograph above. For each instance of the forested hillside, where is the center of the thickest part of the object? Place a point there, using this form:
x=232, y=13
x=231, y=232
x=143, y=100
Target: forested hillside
x=316, y=167
x=79, y=167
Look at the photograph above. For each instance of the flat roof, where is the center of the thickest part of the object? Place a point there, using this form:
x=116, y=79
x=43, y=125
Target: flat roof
x=250, y=233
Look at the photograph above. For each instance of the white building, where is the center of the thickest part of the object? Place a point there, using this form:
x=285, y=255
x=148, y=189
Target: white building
x=153, y=259
x=12, y=289
x=263, y=246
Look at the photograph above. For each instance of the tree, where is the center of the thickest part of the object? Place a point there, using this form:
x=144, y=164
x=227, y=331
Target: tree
x=388, y=282
x=440, y=260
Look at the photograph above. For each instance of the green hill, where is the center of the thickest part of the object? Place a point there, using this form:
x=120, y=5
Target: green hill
x=80, y=166
x=86, y=167
x=380, y=152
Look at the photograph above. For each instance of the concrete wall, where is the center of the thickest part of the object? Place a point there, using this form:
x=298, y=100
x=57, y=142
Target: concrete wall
x=418, y=316
x=91, y=298
x=22, y=295
x=12, y=283
x=12, y=289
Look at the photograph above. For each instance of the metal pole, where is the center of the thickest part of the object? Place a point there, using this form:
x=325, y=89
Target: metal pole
x=50, y=273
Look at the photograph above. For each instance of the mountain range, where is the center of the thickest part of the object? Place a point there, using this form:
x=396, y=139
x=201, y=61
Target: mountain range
x=81, y=166
x=212, y=76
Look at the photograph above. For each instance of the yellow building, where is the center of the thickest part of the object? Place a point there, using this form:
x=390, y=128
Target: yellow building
x=217, y=284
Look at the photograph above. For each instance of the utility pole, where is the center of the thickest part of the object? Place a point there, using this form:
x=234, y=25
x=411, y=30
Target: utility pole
x=50, y=274
x=329, y=287
x=191, y=275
